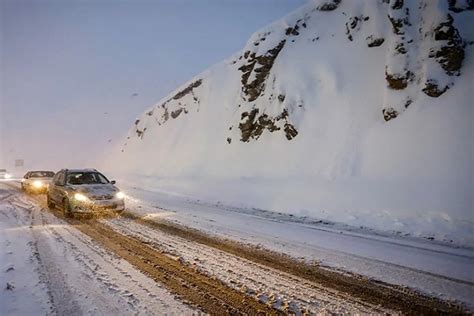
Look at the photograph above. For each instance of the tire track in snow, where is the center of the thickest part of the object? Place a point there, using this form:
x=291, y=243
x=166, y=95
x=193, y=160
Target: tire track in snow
x=372, y=292
x=79, y=277
x=287, y=292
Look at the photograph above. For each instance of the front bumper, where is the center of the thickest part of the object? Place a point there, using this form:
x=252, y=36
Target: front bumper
x=98, y=206
x=41, y=189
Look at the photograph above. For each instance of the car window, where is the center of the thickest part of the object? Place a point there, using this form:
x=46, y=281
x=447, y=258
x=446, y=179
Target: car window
x=41, y=174
x=80, y=178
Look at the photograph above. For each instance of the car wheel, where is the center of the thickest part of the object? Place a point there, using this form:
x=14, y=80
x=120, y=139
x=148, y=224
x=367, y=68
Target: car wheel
x=67, y=209
x=49, y=202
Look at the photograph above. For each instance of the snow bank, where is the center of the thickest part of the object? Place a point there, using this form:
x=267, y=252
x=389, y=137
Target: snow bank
x=350, y=111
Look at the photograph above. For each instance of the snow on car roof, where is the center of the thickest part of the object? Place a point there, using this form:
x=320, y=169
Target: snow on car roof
x=39, y=171
x=82, y=170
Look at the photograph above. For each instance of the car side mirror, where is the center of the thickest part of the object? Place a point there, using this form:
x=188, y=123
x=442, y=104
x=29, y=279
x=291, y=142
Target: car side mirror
x=113, y=182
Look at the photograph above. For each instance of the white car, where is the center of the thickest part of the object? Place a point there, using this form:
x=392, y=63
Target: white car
x=4, y=174
x=36, y=181
x=84, y=192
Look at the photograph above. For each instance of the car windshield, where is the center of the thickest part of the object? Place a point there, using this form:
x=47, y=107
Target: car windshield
x=42, y=174
x=78, y=178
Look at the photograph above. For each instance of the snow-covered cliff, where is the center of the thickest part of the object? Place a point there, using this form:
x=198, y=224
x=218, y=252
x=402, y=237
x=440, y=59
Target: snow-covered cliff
x=352, y=111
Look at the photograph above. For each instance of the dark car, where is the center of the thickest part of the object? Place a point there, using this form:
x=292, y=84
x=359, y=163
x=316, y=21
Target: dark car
x=84, y=191
x=36, y=181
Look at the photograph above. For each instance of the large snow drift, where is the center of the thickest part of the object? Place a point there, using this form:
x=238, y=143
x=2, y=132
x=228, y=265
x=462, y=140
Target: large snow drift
x=351, y=111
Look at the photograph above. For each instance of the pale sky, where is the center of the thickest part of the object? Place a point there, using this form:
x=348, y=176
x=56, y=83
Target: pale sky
x=70, y=69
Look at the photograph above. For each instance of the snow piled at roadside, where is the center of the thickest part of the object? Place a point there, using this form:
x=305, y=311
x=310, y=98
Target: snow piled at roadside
x=309, y=120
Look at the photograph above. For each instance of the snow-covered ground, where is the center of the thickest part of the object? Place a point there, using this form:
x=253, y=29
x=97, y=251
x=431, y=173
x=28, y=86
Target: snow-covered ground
x=56, y=268
x=47, y=267
x=277, y=288
x=50, y=267
x=438, y=269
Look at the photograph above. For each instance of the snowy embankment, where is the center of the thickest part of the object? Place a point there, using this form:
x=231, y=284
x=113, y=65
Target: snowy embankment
x=358, y=112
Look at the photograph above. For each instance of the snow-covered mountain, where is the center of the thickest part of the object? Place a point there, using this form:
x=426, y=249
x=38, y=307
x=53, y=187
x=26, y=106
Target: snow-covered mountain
x=352, y=111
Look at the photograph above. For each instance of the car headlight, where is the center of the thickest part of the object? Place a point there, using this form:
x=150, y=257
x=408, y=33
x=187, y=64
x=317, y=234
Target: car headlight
x=7, y=176
x=38, y=184
x=81, y=197
x=120, y=195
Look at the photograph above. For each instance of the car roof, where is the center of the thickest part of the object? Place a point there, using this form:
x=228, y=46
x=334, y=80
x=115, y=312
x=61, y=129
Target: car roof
x=40, y=171
x=81, y=170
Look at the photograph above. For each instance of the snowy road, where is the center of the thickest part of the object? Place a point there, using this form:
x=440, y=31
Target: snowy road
x=439, y=270
x=128, y=265
x=52, y=268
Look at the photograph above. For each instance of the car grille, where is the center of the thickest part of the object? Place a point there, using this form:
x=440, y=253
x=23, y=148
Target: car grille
x=103, y=197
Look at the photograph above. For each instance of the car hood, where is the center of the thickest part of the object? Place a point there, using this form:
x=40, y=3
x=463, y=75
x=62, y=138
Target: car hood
x=96, y=190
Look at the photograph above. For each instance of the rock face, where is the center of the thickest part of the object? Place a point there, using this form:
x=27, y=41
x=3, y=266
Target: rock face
x=398, y=81
x=374, y=42
x=252, y=125
x=316, y=81
x=260, y=67
x=329, y=5
x=451, y=54
x=420, y=37
x=433, y=90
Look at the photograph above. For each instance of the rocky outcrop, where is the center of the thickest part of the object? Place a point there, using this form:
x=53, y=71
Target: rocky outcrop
x=451, y=55
x=252, y=125
x=354, y=24
x=433, y=90
x=448, y=53
x=374, y=41
x=396, y=4
x=329, y=5
x=460, y=6
x=398, y=81
x=181, y=107
x=187, y=90
x=398, y=23
x=389, y=114
x=259, y=67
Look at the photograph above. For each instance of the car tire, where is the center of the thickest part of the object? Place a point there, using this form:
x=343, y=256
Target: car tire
x=49, y=202
x=67, y=209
